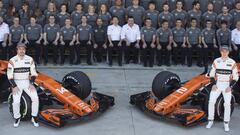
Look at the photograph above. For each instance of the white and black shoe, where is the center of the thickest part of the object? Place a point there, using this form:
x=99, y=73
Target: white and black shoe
x=17, y=122
x=35, y=122
x=226, y=126
x=210, y=124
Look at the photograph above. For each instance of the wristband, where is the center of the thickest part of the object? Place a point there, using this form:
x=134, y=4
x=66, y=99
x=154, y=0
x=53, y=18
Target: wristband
x=12, y=83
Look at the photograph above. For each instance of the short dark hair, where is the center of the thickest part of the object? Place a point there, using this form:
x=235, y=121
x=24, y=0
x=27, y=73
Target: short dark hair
x=224, y=22
x=147, y=19
x=208, y=21
x=115, y=17
x=165, y=3
x=130, y=17
x=195, y=3
x=51, y=16
x=78, y=4
x=151, y=2
x=193, y=19
x=164, y=21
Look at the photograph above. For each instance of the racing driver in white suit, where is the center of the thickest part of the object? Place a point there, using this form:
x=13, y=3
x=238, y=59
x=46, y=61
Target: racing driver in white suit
x=21, y=75
x=224, y=75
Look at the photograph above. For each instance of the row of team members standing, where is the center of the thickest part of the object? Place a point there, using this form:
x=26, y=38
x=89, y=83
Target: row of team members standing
x=213, y=10
x=164, y=41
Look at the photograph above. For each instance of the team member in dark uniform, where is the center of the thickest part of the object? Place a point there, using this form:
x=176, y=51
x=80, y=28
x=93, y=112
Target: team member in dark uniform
x=236, y=14
x=164, y=44
x=209, y=43
x=84, y=37
x=195, y=13
x=51, y=36
x=91, y=16
x=225, y=16
x=4, y=4
x=119, y=11
x=99, y=40
x=137, y=12
x=224, y=35
x=50, y=11
x=145, y=3
x=209, y=15
x=104, y=15
x=16, y=36
x=59, y=3
x=72, y=5
x=193, y=38
x=11, y=12
x=166, y=15
x=108, y=3
x=152, y=14
x=148, y=37
x=179, y=43
x=114, y=37
x=77, y=14
x=86, y=4
x=218, y=4
x=40, y=17
x=159, y=4
x=179, y=13
x=3, y=11
x=63, y=15
x=67, y=40
x=25, y=13
x=33, y=37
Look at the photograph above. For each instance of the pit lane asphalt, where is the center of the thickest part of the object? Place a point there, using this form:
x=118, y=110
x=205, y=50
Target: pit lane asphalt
x=123, y=118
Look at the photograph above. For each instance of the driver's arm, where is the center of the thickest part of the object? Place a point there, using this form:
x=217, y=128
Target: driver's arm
x=212, y=73
x=234, y=75
x=10, y=72
x=33, y=72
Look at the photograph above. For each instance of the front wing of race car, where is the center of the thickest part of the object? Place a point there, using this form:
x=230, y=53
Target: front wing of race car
x=99, y=103
x=185, y=116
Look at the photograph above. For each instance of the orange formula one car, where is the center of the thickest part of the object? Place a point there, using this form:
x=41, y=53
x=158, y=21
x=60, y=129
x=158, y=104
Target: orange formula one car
x=60, y=103
x=186, y=103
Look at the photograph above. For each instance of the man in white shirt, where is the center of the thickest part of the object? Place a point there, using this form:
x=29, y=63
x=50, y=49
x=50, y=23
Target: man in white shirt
x=131, y=36
x=114, y=39
x=236, y=42
x=4, y=28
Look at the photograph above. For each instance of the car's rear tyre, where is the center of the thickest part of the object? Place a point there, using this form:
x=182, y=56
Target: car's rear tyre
x=165, y=83
x=78, y=83
x=25, y=106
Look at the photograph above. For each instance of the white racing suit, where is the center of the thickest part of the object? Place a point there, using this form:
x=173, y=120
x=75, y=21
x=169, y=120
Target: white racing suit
x=225, y=74
x=22, y=72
